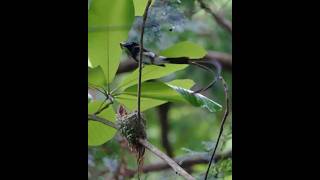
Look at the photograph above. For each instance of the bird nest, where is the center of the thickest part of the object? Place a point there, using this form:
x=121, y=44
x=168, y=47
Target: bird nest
x=132, y=128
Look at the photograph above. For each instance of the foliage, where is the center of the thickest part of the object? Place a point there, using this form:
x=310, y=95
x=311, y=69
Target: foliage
x=104, y=67
x=168, y=33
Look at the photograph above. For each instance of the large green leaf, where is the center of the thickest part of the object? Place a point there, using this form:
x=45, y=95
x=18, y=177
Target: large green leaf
x=99, y=133
x=129, y=97
x=130, y=101
x=184, y=83
x=197, y=99
x=159, y=91
x=184, y=49
x=109, y=22
x=156, y=90
x=150, y=72
x=96, y=76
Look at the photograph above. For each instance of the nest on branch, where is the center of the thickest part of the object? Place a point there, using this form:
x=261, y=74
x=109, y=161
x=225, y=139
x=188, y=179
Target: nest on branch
x=133, y=129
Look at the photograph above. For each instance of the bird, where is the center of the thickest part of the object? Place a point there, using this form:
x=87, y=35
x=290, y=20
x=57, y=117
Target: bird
x=132, y=49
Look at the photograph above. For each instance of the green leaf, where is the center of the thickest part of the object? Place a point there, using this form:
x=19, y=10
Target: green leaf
x=197, y=99
x=184, y=83
x=228, y=177
x=139, y=6
x=89, y=63
x=130, y=102
x=96, y=76
x=109, y=22
x=99, y=133
x=160, y=90
x=89, y=98
x=184, y=49
x=152, y=92
x=156, y=90
x=150, y=72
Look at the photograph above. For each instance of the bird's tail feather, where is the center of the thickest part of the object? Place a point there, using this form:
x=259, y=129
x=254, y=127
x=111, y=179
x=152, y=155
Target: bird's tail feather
x=200, y=63
x=179, y=60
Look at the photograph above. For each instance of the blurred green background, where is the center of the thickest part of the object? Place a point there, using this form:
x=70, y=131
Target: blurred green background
x=190, y=129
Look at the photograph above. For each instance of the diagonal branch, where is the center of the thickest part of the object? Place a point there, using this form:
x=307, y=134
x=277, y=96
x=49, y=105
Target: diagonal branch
x=169, y=161
x=102, y=120
x=185, y=161
x=148, y=146
x=225, y=23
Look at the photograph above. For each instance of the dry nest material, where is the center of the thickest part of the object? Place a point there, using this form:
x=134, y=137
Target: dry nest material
x=132, y=129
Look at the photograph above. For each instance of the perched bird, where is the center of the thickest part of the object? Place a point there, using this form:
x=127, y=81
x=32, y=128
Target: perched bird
x=149, y=57
x=132, y=49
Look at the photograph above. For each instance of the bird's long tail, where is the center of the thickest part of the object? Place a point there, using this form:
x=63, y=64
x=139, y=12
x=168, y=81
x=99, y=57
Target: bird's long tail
x=208, y=65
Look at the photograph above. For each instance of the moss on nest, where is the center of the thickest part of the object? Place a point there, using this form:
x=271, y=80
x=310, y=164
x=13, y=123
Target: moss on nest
x=131, y=128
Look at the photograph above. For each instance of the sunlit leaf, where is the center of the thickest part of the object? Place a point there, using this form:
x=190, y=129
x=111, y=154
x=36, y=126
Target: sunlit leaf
x=184, y=49
x=197, y=99
x=160, y=90
x=96, y=76
x=168, y=92
x=99, y=133
x=109, y=22
x=184, y=83
x=150, y=72
x=156, y=90
x=130, y=102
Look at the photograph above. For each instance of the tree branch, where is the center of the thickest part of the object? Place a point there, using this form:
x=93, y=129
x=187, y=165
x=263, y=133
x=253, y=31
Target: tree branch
x=150, y=147
x=186, y=161
x=225, y=23
x=223, y=58
x=102, y=120
x=169, y=161
x=163, y=118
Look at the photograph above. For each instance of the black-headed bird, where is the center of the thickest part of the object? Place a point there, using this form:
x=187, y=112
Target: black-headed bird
x=132, y=49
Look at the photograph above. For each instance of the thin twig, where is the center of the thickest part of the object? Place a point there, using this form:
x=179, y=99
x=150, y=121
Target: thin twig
x=150, y=147
x=225, y=115
x=225, y=23
x=145, y=15
x=164, y=157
